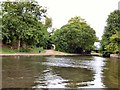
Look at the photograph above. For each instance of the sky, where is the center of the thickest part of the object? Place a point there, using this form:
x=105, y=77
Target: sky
x=95, y=12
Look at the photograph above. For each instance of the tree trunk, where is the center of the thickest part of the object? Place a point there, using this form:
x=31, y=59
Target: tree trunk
x=19, y=44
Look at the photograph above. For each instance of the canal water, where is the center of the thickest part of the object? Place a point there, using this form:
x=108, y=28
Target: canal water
x=60, y=72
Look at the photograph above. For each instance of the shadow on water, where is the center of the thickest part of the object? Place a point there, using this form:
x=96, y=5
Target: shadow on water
x=59, y=72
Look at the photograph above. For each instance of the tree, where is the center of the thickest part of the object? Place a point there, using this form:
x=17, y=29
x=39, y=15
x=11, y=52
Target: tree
x=110, y=39
x=114, y=44
x=48, y=22
x=75, y=37
x=22, y=24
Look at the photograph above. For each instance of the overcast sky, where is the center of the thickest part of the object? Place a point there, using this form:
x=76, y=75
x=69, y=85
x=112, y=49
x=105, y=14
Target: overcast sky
x=95, y=12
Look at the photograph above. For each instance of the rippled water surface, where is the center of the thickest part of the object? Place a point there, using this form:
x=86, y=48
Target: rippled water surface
x=60, y=72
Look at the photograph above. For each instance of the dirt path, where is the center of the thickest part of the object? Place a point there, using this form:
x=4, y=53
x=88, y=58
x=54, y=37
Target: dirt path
x=52, y=52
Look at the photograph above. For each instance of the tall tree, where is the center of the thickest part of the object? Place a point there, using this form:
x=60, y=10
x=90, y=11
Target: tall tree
x=22, y=23
x=110, y=39
x=75, y=37
x=48, y=22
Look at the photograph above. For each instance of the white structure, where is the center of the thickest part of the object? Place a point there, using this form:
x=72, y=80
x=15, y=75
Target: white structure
x=53, y=46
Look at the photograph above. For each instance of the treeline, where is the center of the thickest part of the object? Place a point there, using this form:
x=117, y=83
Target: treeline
x=111, y=38
x=25, y=24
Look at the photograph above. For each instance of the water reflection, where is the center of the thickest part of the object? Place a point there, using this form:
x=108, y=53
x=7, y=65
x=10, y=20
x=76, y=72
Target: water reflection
x=59, y=72
x=49, y=80
x=112, y=73
x=19, y=72
x=97, y=65
x=78, y=73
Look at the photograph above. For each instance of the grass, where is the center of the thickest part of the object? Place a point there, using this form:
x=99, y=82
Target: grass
x=36, y=50
x=12, y=51
x=7, y=50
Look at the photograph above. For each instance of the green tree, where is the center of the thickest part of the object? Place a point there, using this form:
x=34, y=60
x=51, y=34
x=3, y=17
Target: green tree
x=48, y=22
x=110, y=39
x=75, y=37
x=22, y=24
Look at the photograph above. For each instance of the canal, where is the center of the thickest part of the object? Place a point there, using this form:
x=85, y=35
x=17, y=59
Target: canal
x=60, y=72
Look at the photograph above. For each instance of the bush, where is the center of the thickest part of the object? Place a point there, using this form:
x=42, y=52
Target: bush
x=106, y=54
x=37, y=50
x=25, y=50
x=8, y=50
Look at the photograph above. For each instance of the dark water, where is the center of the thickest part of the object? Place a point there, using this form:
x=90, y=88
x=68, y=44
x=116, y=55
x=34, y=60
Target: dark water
x=60, y=72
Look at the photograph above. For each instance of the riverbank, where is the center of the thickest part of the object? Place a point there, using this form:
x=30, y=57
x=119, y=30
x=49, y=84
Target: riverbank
x=115, y=55
x=47, y=53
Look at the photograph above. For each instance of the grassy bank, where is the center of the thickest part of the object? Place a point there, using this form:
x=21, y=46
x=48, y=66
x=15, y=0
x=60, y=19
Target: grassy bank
x=7, y=50
x=35, y=51
x=12, y=51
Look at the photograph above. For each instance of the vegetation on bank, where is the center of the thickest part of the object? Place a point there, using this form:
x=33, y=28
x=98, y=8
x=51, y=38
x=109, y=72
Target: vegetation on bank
x=30, y=50
x=75, y=37
x=25, y=29
x=24, y=25
x=111, y=38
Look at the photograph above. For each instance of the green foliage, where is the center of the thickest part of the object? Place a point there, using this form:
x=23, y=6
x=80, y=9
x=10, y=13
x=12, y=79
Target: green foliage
x=111, y=37
x=106, y=54
x=25, y=50
x=36, y=50
x=7, y=50
x=22, y=50
x=22, y=24
x=48, y=22
x=75, y=37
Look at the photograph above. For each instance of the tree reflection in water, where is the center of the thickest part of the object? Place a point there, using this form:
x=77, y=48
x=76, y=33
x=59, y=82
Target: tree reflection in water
x=112, y=73
x=60, y=72
x=74, y=72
